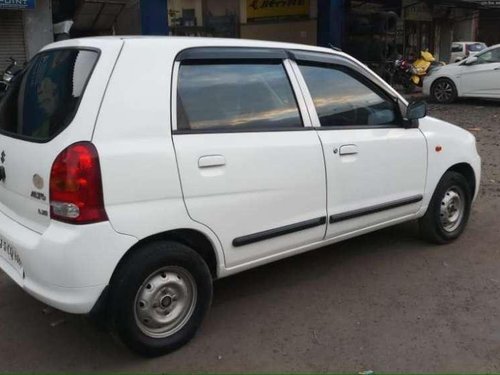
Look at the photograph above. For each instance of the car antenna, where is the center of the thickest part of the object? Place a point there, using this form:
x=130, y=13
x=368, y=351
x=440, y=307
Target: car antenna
x=334, y=48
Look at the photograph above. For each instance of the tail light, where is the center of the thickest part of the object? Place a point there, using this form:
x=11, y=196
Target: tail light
x=76, y=186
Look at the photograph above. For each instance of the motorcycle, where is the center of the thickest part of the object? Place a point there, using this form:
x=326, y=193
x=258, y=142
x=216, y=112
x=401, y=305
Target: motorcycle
x=9, y=74
x=411, y=75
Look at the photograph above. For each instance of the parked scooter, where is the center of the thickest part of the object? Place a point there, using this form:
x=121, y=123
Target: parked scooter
x=411, y=75
x=12, y=70
x=398, y=73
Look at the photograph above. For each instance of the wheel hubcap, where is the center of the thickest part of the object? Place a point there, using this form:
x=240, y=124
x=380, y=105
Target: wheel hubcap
x=443, y=91
x=452, y=209
x=165, y=302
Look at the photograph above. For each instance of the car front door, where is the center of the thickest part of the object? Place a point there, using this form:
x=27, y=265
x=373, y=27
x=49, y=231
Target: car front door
x=250, y=163
x=376, y=168
x=482, y=78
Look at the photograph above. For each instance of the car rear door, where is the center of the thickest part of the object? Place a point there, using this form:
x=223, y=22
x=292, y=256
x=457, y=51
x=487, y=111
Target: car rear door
x=250, y=163
x=53, y=103
x=376, y=168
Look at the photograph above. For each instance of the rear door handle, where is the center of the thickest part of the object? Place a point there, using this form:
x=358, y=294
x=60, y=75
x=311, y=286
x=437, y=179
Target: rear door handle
x=348, y=150
x=211, y=161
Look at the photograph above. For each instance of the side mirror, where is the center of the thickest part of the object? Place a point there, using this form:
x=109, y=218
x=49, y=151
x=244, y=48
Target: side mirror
x=416, y=110
x=471, y=60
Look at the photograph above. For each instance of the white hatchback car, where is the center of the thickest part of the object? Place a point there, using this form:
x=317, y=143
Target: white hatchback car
x=129, y=190
x=477, y=76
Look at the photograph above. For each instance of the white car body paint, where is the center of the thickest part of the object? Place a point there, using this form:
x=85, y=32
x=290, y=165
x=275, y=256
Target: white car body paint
x=474, y=81
x=153, y=183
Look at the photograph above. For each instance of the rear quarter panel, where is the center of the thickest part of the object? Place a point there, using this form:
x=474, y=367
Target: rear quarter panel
x=142, y=190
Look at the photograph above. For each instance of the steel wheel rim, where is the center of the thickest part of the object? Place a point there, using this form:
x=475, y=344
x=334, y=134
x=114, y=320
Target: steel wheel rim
x=165, y=302
x=443, y=91
x=452, y=209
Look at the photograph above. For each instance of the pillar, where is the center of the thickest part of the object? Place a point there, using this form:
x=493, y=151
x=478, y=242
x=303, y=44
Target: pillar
x=154, y=20
x=331, y=22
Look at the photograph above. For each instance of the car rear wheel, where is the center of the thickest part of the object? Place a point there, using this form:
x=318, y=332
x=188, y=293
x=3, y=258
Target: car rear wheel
x=448, y=211
x=444, y=91
x=159, y=297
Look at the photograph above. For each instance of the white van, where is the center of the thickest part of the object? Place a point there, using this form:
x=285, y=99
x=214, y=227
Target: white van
x=135, y=171
x=462, y=50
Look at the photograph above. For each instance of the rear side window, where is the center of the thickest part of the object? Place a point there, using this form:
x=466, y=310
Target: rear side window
x=457, y=48
x=235, y=96
x=43, y=99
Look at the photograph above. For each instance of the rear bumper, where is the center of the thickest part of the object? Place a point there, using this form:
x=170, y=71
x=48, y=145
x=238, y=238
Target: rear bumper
x=66, y=267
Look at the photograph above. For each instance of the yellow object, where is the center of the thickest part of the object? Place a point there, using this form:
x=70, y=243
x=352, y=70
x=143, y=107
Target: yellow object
x=421, y=66
x=427, y=56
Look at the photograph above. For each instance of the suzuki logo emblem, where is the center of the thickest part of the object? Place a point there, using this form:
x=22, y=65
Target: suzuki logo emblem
x=2, y=157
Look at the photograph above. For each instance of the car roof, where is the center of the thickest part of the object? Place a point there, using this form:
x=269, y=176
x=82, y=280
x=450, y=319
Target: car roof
x=182, y=42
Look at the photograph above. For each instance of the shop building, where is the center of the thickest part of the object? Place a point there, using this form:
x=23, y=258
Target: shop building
x=372, y=30
x=25, y=27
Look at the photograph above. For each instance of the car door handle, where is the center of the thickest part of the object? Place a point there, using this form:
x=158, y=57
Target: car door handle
x=348, y=150
x=211, y=161
x=497, y=68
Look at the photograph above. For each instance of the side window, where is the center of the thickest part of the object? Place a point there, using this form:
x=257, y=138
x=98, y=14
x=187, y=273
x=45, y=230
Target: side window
x=42, y=101
x=341, y=99
x=457, y=48
x=491, y=56
x=234, y=95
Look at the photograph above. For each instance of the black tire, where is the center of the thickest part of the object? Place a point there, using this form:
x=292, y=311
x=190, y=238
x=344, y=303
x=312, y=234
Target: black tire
x=444, y=91
x=432, y=227
x=161, y=261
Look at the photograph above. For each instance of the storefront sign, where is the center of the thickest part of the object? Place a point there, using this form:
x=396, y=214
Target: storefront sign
x=17, y=4
x=491, y=3
x=277, y=8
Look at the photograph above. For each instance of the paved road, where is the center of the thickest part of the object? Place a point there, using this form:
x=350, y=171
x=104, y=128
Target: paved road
x=386, y=301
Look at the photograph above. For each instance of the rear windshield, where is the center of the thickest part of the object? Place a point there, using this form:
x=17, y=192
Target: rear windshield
x=42, y=100
x=475, y=47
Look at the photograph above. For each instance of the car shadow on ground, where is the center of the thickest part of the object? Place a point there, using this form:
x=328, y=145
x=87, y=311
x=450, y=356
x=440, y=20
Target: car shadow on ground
x=316, y=264
x=62, y=340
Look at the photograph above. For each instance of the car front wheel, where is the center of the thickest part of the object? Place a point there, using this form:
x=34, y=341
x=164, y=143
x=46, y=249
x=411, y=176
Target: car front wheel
x=448, y=211
x=444, y=91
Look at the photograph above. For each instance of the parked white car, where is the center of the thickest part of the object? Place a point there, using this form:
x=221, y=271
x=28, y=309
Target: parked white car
x=129, y=190
x=476, y=77
x=462, y=50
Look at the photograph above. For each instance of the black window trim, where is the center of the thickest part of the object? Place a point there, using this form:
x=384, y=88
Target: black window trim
x=233, y=55
x=315, y=58
x=42, y=141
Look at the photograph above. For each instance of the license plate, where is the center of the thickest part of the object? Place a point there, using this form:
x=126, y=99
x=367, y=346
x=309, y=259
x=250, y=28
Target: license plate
x=9, y=253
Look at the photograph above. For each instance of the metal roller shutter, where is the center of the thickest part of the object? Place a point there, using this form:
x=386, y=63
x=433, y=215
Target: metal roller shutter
x=11, y=37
